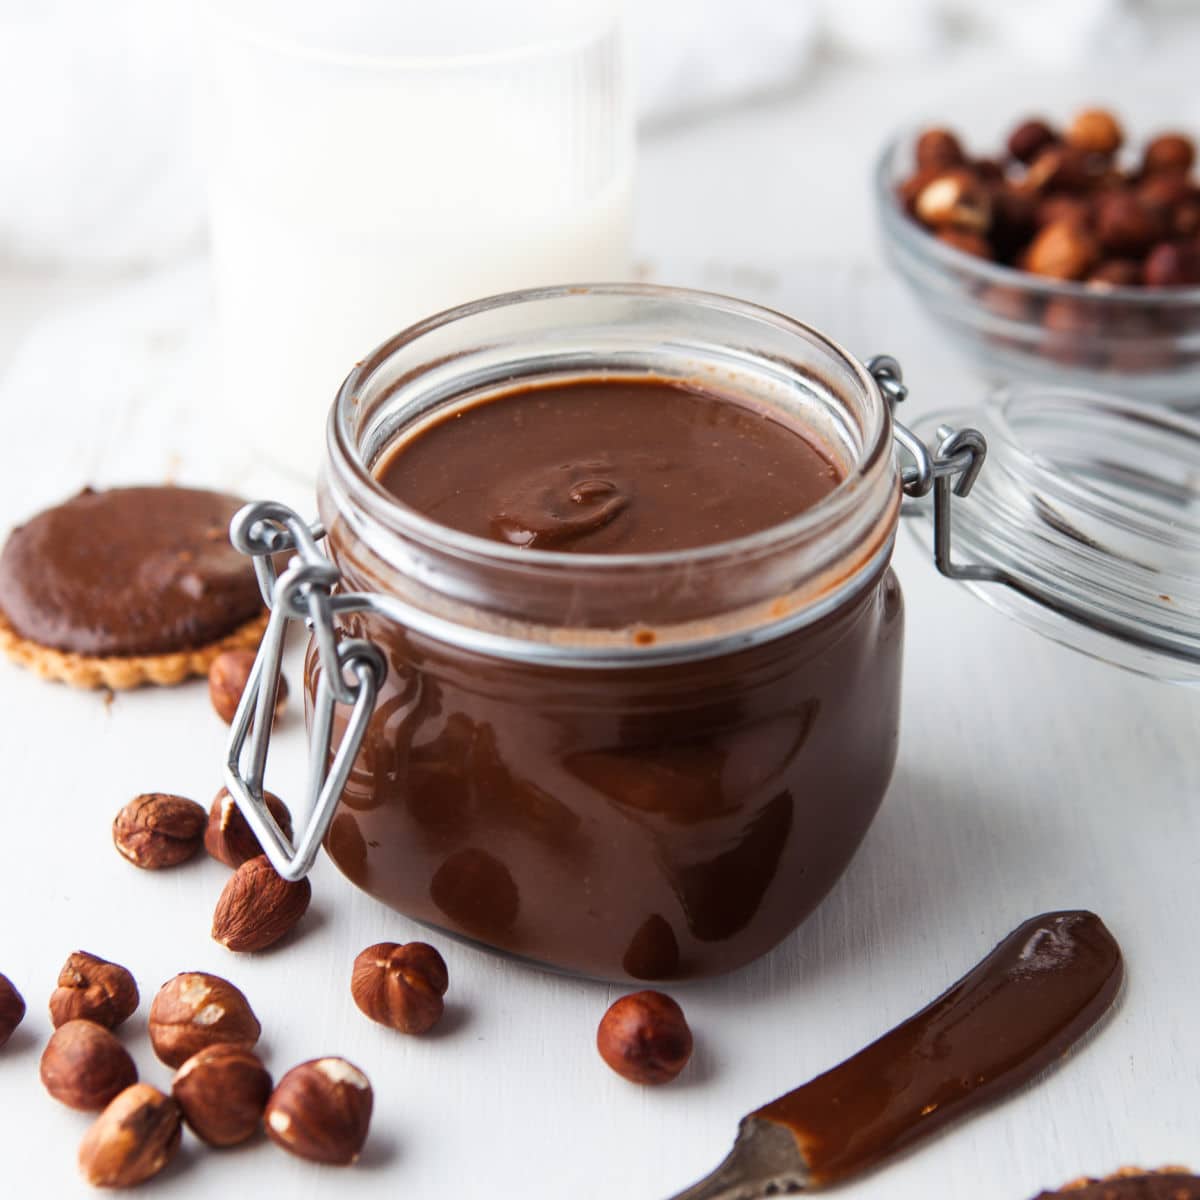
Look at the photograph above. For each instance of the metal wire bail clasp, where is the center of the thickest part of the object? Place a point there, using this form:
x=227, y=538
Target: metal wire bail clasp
x=949, y=470
x=352, y=672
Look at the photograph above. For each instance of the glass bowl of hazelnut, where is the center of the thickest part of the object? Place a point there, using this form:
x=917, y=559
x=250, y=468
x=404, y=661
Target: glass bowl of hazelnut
x=1072, y=255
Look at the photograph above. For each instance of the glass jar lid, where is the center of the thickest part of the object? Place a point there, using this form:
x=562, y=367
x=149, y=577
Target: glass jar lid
x=1086, y=520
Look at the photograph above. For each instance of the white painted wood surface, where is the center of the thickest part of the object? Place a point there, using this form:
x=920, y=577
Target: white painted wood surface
x=1029, y=778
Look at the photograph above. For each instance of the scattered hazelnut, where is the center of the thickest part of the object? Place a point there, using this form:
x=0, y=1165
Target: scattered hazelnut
x=1116, y=272
x=1062, y=250
x=955, y=199
x=222, y=1091
x=1168, y=152
x=645, y=1038
x=227, y=678
x=939, y=148
x=84, y=1066
x=1029, y=139
x=194, y=1011
x=321, y=1111
x=132, y=1139
x=12, y=1009
x=257, y=907
x=1097, y=131
x=1172, y=264
x=1124, y=225
x=158, y=830
x=93, y=989
x=228, y=836
x=400, y=986
x=974, y=244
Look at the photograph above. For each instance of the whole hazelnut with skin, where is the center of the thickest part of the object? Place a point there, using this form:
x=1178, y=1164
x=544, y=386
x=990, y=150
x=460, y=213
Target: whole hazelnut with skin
x=1029, y=139
x=321, y=1110
x=258, y=907
x=645, y=1038
x=157, y=830
x=222, y=1092
x=400, y=986
x=1168, y=152
x=1116, y=272
x=228, y=836
x=12, y=1008
x=84, y=1066
x=909, y=189
x=132, y=1139
x=1097, y=131
x=1059, y=206
x=93, y=989
x=938, y=148
x=194, y=1011
x=1062, y=250
x=974, y=244
x=1172, y=264
x=1063, y=168
x=227, y=678
x=1126, y=226
x=955, y=199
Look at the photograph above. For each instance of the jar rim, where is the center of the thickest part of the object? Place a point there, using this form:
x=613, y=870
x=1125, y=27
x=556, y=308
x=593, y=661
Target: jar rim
x=343, y=450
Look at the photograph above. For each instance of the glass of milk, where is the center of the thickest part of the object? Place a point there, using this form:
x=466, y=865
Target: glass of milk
x=372, y=162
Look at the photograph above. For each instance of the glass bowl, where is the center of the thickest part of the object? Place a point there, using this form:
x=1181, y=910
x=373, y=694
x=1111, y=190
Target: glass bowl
x=1138, y=342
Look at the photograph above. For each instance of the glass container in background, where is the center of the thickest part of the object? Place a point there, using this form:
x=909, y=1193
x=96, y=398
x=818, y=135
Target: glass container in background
x=371, y=163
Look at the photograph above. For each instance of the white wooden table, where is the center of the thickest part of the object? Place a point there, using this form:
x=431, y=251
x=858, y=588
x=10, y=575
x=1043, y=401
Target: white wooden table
x=1030, y=778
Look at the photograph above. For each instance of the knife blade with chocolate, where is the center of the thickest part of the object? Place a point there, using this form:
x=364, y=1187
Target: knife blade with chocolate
x=1012, y=1016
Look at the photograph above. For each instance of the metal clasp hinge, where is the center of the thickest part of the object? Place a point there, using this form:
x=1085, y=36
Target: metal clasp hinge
x=949, y=470
x=351, y=674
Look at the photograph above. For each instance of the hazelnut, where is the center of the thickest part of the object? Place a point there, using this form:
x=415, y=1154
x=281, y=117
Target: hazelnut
x=194, y=1011
x=222, y=1092
x=227, y=678
x=84, y=1066
x=257, y=907
x=228, y=836
x=12, y=1009
x=1073, y=327
x=955, y=199
x=1058, y=167
x=1029, y=139
x=132, y=1139
x=1096, y=131
x=400, y=986
x=908, y=191
x=1115, y=272
x=158, y=830
x=987, y=170
x=938, y=148
x=93, y=989
x=645, y=1038
x=1168, y=152
x=1165, y=191
x=1172, y=264
x=1124, y=225
x=1013, y=214
x=974, y=244
x=1062, y=250
x=1059, y=206
x=321, y=1111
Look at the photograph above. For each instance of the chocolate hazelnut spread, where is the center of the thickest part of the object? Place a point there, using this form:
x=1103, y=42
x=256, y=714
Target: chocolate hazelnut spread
x=1015, y=1014
x=128, y=571
x=608, y=466
x=628, y=821
x=1169, y=1184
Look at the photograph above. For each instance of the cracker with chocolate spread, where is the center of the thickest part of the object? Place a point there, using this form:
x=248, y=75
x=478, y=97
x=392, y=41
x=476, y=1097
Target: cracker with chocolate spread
x=1133, y=1183
x=127, y=586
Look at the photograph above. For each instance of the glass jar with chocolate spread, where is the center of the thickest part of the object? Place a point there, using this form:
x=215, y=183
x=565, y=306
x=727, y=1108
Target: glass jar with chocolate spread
x=623, y=554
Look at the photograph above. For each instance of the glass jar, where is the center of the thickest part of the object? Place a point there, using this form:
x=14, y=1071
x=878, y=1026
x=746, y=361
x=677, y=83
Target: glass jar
x=631, y=766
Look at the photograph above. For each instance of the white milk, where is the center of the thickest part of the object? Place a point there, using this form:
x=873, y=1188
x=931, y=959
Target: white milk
x=361, y=185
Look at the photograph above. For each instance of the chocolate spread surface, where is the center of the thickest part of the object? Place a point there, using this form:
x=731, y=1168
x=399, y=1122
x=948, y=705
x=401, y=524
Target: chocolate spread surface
x=621, y=465
x=128, y=571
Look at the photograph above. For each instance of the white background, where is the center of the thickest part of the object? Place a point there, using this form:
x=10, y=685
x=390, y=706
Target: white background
x=1029, y=778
